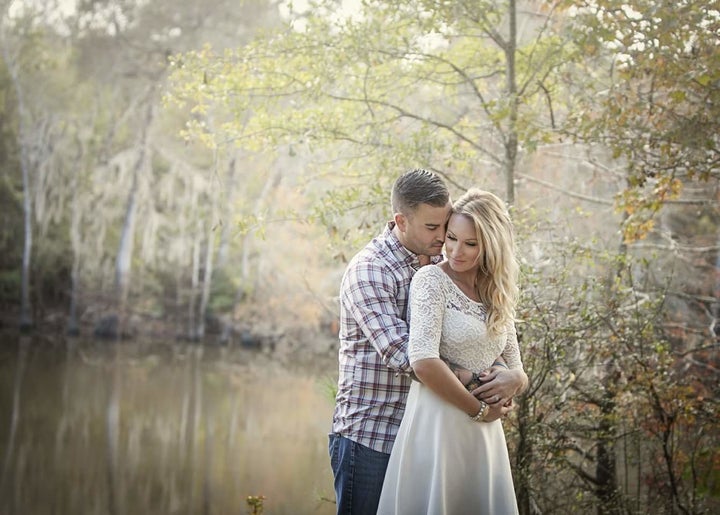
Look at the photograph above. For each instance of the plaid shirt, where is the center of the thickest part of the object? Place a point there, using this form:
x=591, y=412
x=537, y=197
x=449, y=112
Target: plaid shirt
x=373, y=383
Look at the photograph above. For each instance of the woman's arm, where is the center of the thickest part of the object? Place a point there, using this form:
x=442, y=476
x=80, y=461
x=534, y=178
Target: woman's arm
x=435, y=374
x=427, y=308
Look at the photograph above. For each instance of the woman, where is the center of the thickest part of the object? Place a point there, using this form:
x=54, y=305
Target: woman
x=450, y=455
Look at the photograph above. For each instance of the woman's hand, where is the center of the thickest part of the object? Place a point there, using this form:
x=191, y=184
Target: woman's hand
x=500, y=385
x=498, y=410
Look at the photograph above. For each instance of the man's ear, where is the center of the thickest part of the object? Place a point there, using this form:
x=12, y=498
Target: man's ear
x=401, y=221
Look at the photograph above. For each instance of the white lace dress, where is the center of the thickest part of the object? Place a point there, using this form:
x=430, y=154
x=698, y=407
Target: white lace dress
x=442, y=462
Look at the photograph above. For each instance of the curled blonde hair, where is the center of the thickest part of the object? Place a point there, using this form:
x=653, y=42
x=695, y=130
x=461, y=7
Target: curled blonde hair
x=496, y=281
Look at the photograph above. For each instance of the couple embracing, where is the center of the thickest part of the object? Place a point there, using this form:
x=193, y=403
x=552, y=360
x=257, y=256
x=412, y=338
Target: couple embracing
x=429, y=358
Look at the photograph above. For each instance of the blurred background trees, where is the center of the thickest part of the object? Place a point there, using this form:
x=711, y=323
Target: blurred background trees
x=205, y=170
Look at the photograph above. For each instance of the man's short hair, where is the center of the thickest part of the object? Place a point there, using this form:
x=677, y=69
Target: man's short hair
x=417, y=187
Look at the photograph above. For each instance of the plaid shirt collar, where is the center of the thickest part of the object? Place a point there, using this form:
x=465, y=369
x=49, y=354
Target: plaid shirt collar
x=400, y=251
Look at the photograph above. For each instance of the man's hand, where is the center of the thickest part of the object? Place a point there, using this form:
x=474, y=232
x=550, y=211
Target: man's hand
x=464, y=375
x=500, y=385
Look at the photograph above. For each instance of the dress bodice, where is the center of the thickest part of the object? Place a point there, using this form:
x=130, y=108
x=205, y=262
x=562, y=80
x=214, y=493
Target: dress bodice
x=445, y=322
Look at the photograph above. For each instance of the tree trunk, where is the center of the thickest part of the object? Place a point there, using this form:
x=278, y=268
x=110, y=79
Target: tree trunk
x=26, y=318
x=73, y=327
x=194, y=282
x=511, y=138
x=271, y=183
x=605, y=469
x=123, y=261
x=230, y=184
x=523, y=458
x=207, y=280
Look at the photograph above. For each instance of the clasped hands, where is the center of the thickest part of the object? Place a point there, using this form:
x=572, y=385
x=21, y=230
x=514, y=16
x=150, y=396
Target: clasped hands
x=495, y=386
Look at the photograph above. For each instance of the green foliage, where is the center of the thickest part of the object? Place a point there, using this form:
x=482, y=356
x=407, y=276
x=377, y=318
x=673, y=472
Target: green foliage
x=606, y=377
x=224, y=291
x=9, y=286
x=312, y=122
x=256, y=504
x=654, y=96
x=397, y=85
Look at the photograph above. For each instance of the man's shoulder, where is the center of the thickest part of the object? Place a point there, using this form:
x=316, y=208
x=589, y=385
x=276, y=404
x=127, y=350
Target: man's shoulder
x=378, y=264
x=367, y=262
x=378, y=253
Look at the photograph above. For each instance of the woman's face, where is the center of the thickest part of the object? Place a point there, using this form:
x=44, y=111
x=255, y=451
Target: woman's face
x=461, y=244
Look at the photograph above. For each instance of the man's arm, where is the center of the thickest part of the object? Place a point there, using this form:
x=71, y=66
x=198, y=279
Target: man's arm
x=370, y=295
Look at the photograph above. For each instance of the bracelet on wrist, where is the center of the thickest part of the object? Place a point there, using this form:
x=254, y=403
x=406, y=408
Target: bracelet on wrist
x=484, y=407
x=500, y=364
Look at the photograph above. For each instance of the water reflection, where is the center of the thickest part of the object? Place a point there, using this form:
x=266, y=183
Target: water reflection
x=164, y=428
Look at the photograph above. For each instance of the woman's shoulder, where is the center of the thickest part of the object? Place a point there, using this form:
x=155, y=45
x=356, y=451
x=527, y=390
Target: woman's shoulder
x=430, y=272
x=430, y=278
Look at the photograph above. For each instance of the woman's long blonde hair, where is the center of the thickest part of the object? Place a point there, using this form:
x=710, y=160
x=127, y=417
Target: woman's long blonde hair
x=496, y=281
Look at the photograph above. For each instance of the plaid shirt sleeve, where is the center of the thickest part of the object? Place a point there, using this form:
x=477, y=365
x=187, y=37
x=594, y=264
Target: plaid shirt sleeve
x=371, y=297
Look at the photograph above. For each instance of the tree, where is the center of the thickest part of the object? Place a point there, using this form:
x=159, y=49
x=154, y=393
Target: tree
x=447, y=84
x=653, y=97
x=452, y=86
x=10, y=56
x=654, y=100
x=107, y=61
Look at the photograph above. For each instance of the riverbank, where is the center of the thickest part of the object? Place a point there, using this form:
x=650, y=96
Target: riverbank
x=308, y=349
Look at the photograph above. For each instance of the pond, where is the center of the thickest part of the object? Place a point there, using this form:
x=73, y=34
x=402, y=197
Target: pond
x=160, y=428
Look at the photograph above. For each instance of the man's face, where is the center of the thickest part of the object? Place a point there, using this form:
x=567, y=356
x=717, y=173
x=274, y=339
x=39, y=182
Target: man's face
x=423, y=231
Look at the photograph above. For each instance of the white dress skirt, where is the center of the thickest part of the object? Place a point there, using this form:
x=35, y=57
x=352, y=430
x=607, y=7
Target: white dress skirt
x=444, y=463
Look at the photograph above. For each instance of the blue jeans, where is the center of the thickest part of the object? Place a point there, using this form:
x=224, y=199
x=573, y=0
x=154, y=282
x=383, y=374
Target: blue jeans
x=359, y=474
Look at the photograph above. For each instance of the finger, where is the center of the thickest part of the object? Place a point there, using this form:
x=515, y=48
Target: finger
x=481, y=391
x=490, y=398
x=488, y=374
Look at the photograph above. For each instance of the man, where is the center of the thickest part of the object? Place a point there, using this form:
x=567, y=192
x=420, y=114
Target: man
x=374, y=369
x=374, y=378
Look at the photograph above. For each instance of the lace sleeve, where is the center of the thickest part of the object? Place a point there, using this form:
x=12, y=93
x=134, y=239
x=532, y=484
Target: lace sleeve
x=511, y=353
x=427, y=307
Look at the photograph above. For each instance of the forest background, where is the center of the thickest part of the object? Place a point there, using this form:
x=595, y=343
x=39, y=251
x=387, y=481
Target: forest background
x=205, y=169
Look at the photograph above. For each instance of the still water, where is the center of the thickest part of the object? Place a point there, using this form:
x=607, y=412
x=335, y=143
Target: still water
x=162, y=428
